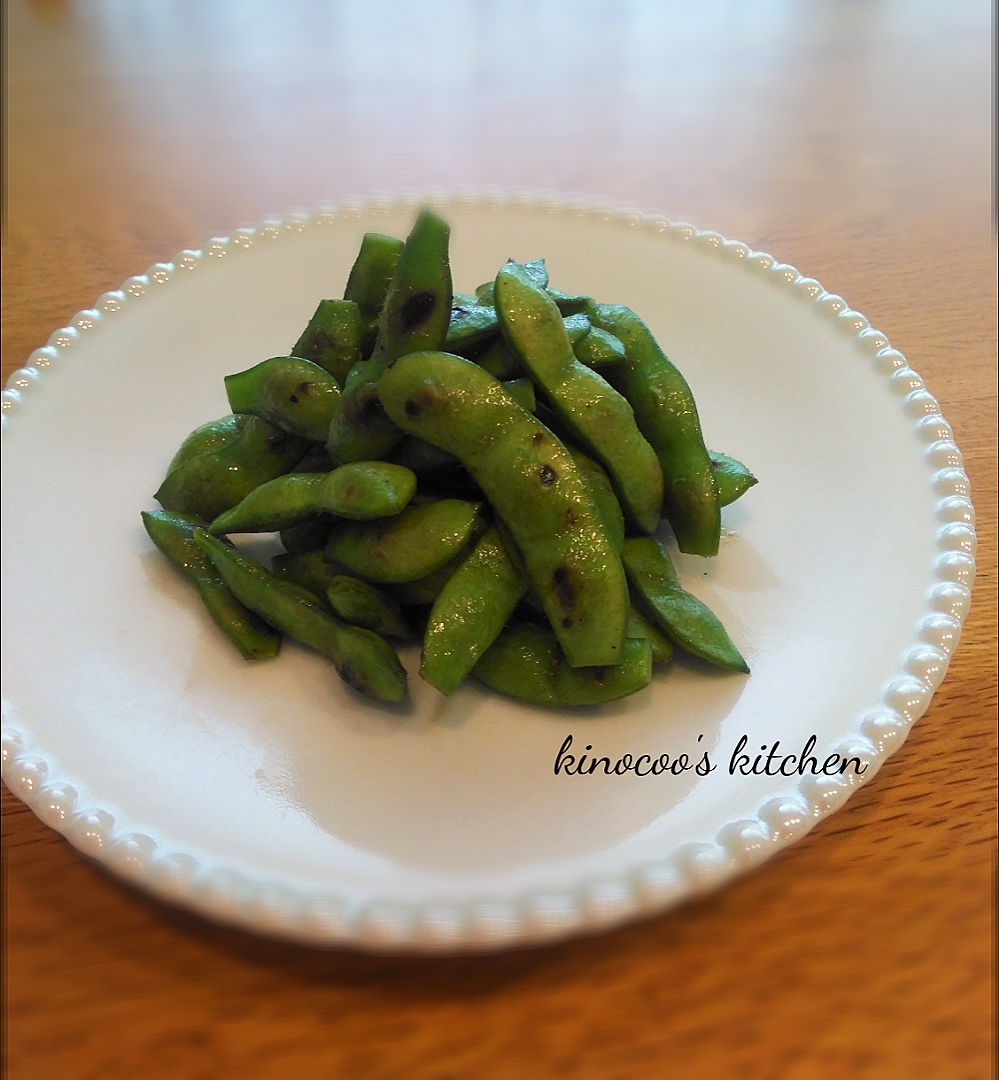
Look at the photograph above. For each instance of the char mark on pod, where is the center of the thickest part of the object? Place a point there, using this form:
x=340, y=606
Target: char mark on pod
x=415, y=311
x=565, y=591
x=352, y=677
x=300, y=391
x=547, y=476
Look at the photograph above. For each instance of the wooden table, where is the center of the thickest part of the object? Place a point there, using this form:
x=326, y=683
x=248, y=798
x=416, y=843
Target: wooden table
x=850, y=139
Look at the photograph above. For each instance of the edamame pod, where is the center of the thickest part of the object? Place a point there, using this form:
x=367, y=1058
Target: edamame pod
x=603, y=495
x=681, y=616
x=533, y=485
x=639, y=626
x=210, y=483
x=173, y=534
x=415, y=316
x=209, y=437
x=599, y=348
x=535, y=270
x=361, y=491
x=526, y=663
x=577, y=327
x=361, y=604
x=425, y=590
x=471, y=326
x=667, y=417
x=310, y=535
x=731, y=476
x=309, y=569
x=500, y=360
x=362, y=659
x=295, y=395
x=369, y=280
x=469, y=613
x=594, y=411
x=405, y=547
x=568, y=305
x=333, y=338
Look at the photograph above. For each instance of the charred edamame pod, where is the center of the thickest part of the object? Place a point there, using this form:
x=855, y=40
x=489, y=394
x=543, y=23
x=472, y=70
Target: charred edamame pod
x=533, y=485
x=594, y=411
x=173, y=534
x=469, y=613
x=369, y=280
x=295, y=395
x=415, y=316
x=333, y=338
x=362, y=659
x=667, y=417
x=526, y=663
x=681, y=616
x=361, y=491
x=603, y=495
x=535, y=270
x=405, y=547
x=210, y=483
x=731, y=476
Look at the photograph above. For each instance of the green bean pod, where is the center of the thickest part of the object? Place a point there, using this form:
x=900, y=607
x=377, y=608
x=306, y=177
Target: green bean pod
x=362, y=659
x=415, y=316
x=469, y=613
x=405, y=547
x=333, y=338
x=681, y=616
x=369, y=280
x=525, y=662
x=295, y=395
x=731, y=476
x=667, y=417
x=361, y=604
x=211, y=483
x=173, y=534
x=533, y=485
x=361, y=491
x=595, y=412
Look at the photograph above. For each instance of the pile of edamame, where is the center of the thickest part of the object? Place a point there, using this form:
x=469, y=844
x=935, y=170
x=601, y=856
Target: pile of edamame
x=489, y=469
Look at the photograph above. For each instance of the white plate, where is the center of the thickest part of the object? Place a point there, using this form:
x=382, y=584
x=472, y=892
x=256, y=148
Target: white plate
x=271, y=797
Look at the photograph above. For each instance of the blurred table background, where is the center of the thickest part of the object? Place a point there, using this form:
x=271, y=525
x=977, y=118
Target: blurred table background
x=848, y=137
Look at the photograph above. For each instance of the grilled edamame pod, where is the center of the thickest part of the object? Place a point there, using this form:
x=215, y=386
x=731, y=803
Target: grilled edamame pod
x=577, y=327
x=361, y=604
x=405, y=547
x=295, y=395
x=535, y=270
x=603, y=495
x=471, y=325
x=681, y=616
x=415, y=316
x=361, y=491
x=533, y=485
x=333, y=338
x=667, y=417
x=469, y=613
x=369, y=280
x=173, y=534
x=731, y=476
x=594, y=411
x=210, y=483
x=526, y=663
x=362, y=659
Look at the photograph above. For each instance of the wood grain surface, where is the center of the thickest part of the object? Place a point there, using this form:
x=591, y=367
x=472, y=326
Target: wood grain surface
x=848, y=137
